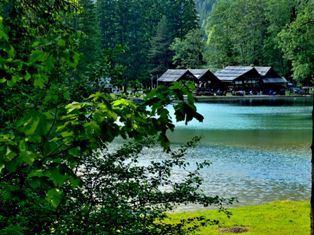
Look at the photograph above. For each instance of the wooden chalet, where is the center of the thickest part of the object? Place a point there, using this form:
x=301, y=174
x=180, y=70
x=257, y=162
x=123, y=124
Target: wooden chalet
x=206, y=79
x=174, y=75
x=271, y=82
x=208, y=83
x=239, y=78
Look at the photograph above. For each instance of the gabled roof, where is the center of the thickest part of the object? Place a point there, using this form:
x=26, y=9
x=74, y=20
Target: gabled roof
x=270, y=76
x=262, y=70
x=267, y=72
x=198, y=73
x=231, y=73
x=204, y=75
x=173, y=75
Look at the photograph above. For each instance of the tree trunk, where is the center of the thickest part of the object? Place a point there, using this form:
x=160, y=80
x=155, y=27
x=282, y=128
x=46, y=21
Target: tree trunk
x=312, y=190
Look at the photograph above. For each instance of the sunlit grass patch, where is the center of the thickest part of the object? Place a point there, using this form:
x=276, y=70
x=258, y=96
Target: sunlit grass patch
x=275, y=218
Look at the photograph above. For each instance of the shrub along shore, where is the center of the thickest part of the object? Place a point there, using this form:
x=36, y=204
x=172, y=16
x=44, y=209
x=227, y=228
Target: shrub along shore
x=275, y=218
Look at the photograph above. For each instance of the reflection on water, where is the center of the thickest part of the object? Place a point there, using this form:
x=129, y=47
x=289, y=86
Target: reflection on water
x=258, y=153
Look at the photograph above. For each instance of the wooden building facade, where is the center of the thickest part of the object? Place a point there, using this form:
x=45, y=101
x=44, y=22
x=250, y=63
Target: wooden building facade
x=208, y=83
x=246, y=79
x=239, y=78
x=271, y=82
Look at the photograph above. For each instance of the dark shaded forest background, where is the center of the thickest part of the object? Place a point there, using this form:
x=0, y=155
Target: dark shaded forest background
x=146, y=37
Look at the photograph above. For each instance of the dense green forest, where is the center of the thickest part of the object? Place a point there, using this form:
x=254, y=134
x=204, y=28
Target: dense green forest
x=147, y=37
x=143, y=32
x=57, y=172
x=265, y=33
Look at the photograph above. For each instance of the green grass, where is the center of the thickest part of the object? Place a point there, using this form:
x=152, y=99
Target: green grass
x=275, y=218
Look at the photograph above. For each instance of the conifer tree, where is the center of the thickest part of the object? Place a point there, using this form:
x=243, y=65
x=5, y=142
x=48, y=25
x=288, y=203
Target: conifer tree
x=133, y=25
x=190, y=20
x=90, y=46
x=160, y=54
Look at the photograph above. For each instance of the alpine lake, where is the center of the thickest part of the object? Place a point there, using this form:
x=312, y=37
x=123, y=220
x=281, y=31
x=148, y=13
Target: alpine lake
x=259, y=149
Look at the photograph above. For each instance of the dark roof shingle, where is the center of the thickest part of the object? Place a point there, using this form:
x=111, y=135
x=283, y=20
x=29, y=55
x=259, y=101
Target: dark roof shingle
x=231, y=73
x=173, y=75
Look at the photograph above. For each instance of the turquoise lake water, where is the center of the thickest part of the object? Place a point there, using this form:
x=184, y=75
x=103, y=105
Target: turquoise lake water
x=259, y=153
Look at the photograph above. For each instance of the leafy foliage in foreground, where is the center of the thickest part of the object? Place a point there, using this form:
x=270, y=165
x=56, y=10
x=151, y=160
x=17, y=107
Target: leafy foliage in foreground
x=52, y=179
x=122, y=195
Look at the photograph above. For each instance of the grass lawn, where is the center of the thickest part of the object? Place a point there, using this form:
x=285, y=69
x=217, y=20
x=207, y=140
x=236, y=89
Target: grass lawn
x=275, y=218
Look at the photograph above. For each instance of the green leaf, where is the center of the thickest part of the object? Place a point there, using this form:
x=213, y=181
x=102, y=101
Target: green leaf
x=199, y=117
x=75, y=151
x=36, y=44
x=73, y=106
x=36, y=173
x=76, y=58
x=54, y=197
x=10, y=51
x=40, y=80
x=61, y=42
x=49, y=63
x=92, y=128
x=3, y=34
x=22, y=146
x=56, y=176
x=2, y=165
x=36, y=56
x=27, y=76
x=34, y=139
x=75, y=182
x=65, y=134
x=120, y=102
x=36, y=182
x=10, y=154
x=11, y=83
x=33, y=124
x=16, y=79
x=27, y=157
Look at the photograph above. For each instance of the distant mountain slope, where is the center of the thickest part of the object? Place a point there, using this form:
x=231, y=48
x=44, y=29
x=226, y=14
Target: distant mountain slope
x=204, y=8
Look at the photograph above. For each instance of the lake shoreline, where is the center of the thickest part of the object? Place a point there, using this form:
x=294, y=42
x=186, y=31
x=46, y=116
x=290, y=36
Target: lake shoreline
x=287, y=99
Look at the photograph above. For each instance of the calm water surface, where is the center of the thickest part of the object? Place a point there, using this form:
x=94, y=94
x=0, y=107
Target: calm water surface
x=258, y=153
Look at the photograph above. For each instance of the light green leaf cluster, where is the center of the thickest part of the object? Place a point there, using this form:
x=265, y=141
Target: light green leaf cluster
x=188, y=52
x=297, y=42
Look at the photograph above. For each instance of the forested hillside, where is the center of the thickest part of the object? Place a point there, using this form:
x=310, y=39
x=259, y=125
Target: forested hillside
x=144, y=30
x=277, y=33
x=144, y=38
